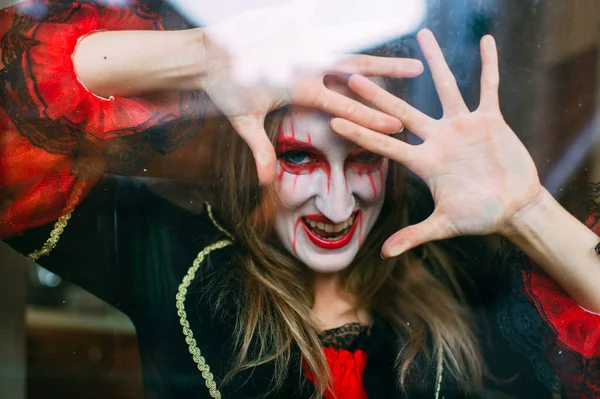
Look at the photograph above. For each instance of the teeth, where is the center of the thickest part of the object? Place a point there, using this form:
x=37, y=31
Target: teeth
x=329, y=227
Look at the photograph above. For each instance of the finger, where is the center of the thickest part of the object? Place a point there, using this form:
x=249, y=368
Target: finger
x=431, y=229
x=344, y=107
x=490, y=76
x=444, y=80
x=416, y=121
x=369, y=65
x=251, y=130
x=381, y=144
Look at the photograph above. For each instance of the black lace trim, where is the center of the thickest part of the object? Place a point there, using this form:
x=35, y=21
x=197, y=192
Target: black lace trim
x=351, y=337
x=519, y=321
x=566, y=373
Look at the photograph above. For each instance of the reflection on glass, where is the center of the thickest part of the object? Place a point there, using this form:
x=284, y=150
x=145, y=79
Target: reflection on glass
x=108, y=311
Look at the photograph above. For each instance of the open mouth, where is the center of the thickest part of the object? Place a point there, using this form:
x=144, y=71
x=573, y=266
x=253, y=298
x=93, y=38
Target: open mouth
x=325, y=234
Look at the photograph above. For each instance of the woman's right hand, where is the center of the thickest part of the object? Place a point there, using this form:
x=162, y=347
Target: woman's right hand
x=247, y=106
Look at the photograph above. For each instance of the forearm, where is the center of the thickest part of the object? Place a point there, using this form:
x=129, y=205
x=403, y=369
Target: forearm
x=562, y=246
x=130, y=63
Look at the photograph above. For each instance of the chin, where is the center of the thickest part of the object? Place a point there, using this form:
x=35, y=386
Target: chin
x=327, y=263
x=321, y=246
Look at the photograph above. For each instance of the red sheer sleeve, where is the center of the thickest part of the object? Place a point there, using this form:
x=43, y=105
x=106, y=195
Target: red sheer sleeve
x=575, y=327
x=575, y=351
x=54, y=131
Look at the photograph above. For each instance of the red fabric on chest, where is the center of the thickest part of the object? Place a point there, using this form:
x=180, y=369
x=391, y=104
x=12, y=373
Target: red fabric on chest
x=346, y=370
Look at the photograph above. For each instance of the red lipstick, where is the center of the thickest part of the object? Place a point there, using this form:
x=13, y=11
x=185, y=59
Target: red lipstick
x=329, y=244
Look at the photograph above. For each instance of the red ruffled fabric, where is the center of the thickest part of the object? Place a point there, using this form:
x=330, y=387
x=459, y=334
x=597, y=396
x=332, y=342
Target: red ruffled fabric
x=54, y=131
x=575, y=327
x=574, y=352
x=346, y=370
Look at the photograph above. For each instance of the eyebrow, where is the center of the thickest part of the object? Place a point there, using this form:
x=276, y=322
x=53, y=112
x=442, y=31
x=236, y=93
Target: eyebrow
x=358, y=150
x=291, y=144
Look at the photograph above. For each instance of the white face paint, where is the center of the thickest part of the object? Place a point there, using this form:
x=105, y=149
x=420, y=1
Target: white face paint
x=331, y=191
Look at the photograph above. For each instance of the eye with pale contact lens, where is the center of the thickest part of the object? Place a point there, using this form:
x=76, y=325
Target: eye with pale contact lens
x=296, y=157
x=300, y=162
x=365, y=157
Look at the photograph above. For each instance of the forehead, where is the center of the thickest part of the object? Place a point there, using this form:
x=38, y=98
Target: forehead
x=311, y=127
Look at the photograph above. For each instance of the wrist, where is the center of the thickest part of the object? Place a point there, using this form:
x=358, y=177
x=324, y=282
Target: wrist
x=536, y=212
x=210, y=58
x=191, y=62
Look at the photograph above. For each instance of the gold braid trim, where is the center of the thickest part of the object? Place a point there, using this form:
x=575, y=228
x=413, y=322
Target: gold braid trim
x=440, y=372
x=557, y=388
x=200, y=361
x=60, y=224
x=214, y=221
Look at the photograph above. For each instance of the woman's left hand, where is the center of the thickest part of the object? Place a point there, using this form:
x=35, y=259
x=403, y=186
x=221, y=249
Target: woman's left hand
x=480, y=174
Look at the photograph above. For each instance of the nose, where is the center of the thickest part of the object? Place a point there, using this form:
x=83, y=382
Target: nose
x=336, y=201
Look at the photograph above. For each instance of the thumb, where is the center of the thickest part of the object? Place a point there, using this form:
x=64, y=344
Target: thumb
x=431, y=229
x=251, y=130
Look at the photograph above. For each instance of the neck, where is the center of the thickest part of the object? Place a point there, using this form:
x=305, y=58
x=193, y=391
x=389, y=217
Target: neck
x=333, y=307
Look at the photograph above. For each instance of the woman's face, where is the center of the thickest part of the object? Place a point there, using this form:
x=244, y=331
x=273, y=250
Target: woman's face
x=331, y=191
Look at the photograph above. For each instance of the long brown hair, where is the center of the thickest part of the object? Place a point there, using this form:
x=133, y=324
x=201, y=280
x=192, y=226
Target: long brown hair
x=419, y=297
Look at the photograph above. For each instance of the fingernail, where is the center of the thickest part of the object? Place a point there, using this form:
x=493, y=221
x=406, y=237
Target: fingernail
x=381, y=254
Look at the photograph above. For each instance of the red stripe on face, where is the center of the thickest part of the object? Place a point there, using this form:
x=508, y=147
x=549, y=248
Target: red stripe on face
x=291, y=143
x=373, y=187
x=363, y=168
x=318, y=160
x=359, y=161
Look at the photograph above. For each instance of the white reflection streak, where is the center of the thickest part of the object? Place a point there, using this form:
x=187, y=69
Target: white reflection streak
x=573, y=157
x=272, y=41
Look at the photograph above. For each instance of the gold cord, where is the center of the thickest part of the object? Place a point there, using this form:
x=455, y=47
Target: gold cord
x=60, y=224
x=556, y=388
x=214, y=221
x=200, y=361
x=440, y=372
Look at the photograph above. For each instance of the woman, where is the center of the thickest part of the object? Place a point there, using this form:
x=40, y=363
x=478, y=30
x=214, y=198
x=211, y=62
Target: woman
x=259, y=286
